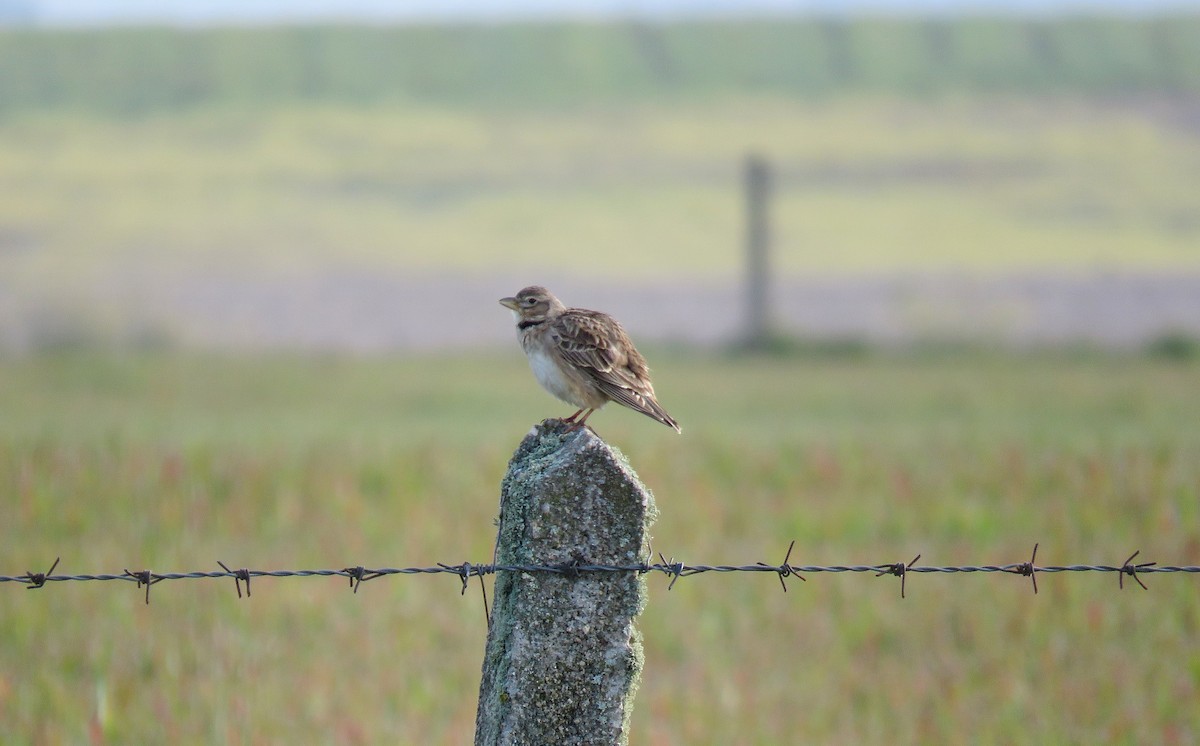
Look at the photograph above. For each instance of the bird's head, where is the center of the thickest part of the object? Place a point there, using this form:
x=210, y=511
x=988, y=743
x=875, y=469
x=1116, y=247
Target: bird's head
x=533, y=305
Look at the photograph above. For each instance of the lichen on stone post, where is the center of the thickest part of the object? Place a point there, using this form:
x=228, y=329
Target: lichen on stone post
x=563, y=656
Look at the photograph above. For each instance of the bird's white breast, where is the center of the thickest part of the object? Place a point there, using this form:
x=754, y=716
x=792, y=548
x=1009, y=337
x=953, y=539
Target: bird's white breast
x=552, y=378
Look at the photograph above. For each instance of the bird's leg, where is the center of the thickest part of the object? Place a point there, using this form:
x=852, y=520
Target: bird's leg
x=571, y=420
x=573, y=424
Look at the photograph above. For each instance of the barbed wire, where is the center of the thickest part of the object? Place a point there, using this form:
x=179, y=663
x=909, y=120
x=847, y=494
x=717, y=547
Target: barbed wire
x=672, y=568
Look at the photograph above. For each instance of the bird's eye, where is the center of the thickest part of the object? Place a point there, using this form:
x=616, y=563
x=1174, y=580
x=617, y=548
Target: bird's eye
x=529, y=301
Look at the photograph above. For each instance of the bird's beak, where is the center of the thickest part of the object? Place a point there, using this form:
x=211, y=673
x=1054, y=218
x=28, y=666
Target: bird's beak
x=510, y=303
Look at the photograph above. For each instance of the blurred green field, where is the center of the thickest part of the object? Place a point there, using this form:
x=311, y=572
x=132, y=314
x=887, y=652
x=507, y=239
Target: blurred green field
x=174, y=462
x=132, y=157
x=152, y=178
x=558, y=65
x=136, y=226
x=90, y=206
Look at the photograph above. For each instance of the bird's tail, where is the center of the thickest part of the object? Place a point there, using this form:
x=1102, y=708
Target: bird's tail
x=654, y=409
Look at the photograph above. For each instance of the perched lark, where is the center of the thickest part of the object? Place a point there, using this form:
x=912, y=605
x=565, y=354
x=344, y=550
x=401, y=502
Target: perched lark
x=583, y=357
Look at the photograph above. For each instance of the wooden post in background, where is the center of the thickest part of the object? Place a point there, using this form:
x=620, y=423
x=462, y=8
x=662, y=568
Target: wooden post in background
x=758, y=252
x=563, y=657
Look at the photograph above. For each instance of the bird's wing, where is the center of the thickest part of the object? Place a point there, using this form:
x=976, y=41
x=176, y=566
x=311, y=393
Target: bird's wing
x=597, y=345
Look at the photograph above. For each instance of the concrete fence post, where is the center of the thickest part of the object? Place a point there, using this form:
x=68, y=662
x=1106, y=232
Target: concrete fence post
x=563, y=657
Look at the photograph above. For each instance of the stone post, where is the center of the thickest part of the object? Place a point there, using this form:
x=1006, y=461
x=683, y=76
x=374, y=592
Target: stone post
x=563, y=657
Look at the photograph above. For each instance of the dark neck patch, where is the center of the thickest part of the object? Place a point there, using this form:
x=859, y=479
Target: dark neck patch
x=523, y=325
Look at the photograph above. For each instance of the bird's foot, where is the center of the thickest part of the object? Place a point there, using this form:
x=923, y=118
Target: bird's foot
x=559, y=424
x=573, y=424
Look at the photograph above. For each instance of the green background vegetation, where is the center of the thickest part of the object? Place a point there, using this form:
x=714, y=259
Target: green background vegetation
x=98, y=214
x=172, y=463
x=137, y=161
x=132, y=71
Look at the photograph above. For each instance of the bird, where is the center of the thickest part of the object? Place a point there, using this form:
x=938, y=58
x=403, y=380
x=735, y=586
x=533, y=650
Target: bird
x=583, y=357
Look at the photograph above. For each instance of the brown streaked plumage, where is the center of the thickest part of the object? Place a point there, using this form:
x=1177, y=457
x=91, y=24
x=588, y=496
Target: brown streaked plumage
x=583, y=357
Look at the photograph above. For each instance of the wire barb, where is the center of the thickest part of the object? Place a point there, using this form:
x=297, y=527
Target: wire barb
x=238, y=577
x=672, y=568
x=360, y=574
x=38, y=579
x=571, y=567
x=464, y=573
x=1132, y=571
x=785, y=569
x=144, y=577
x=899, y=569
x=1028, y=569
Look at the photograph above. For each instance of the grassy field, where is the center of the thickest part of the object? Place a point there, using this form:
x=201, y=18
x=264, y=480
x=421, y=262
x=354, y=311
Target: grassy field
x=172, y=463
x=879, y=184
x=104, y=224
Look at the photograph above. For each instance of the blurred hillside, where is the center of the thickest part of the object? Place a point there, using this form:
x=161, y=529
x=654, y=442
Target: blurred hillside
x=340, y=187
x=137, y=70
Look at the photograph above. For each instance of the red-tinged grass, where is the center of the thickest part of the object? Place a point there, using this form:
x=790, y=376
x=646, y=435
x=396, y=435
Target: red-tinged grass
x=286, y=463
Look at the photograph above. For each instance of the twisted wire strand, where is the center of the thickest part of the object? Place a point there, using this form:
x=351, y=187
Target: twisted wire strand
x=675, y=570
